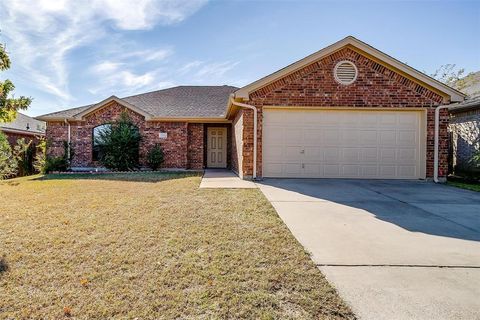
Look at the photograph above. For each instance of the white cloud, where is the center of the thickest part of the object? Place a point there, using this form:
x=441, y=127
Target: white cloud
x=40, y=34
x=190, y=66
x=217, y=69
x=117, y=78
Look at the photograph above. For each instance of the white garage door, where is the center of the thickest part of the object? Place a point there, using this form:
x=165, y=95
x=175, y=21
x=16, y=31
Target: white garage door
x=343, y=144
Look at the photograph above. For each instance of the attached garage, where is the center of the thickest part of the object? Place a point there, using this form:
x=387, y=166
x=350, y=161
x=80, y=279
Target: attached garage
x=344, y=143
x=345, y=111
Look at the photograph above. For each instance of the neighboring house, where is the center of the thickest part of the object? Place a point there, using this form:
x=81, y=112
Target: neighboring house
x=346, y=111
x=465, y=135
x=23, y=127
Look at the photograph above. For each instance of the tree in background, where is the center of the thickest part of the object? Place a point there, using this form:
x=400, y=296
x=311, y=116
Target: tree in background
x=455, y=77
x=9, y=105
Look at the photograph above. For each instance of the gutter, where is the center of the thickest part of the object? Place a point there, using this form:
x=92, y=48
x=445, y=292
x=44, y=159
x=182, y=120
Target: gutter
x=435, y=151
x=255, y=111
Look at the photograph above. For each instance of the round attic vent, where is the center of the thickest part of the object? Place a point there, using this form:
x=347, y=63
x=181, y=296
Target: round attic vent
x=345, y=72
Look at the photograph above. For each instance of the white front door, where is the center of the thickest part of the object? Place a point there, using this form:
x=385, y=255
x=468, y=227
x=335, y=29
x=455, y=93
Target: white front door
x=217, y=147
x=367, y=144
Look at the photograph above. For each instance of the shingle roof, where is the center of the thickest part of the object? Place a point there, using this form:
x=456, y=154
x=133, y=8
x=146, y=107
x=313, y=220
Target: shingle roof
x=24, y=123
x=176, y=102
x=473, y=103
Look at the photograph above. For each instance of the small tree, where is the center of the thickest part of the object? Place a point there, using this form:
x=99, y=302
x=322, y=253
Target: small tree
x=155, y=157
x=41, y=156
x=8, y=161
x=9, y=105
x=120, y=143
x=23, y=151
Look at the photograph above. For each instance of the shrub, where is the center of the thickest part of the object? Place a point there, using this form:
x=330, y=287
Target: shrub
x=46, y=164
x=475, y=160
x=155, y=157
x=8, y=161
x=24, y=152
x=56, y=164
x=120, y=144
x=39, y=164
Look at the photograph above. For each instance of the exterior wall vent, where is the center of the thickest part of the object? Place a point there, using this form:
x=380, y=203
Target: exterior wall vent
x=345, y=72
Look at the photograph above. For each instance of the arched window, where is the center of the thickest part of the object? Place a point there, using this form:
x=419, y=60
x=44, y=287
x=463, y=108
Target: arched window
x=97, y=141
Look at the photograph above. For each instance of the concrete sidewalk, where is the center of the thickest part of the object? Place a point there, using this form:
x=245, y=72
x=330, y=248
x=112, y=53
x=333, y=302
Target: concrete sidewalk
x=393, y=249
x=222, y=178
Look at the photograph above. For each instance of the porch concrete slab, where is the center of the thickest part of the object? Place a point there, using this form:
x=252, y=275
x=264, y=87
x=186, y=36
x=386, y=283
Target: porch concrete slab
x=224, y=179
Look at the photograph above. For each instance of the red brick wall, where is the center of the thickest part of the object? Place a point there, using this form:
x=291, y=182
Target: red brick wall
x=195, y=146
x=176, y=146
x=375, y=86
x=12, y=137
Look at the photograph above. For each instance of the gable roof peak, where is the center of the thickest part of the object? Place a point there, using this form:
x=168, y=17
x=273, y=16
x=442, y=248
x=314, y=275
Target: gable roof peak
x=390, y=62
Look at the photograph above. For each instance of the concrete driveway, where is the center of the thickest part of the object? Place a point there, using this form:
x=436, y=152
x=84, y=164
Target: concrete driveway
x=393, y=249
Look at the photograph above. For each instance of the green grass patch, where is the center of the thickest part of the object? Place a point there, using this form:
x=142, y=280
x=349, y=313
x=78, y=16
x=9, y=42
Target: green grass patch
x=465, y=185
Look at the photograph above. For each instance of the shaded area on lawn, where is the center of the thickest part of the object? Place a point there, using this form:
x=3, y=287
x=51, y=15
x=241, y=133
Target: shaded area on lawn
x=151, y=176
x=109, y=248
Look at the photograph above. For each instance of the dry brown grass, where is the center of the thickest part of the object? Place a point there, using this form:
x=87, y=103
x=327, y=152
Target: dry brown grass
x=97, y=247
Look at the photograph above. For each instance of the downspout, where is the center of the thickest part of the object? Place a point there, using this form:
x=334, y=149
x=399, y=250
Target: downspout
x=247, y=106
x=68, y=138
x=435, y=151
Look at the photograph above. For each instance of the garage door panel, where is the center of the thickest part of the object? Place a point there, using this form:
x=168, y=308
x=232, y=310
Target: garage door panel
x=388, y=138
x=312, y=137
x=272, y=169
x=274, y=135
x=350, y=138
x=293, y=153
x=407, y=155
x=313, y=169
x=314, y=153
x=343, y=144
x=293, y=168
x=332, y=170
x=406, y=138
x=369, y=155
x=369, y=171
x=368, y=137
x=406, y=171
x=352, y=171
x=331, y=155
x=387, y=119
x=351, y=155
x=275, y=153
x=331, y=137
x=293, y=136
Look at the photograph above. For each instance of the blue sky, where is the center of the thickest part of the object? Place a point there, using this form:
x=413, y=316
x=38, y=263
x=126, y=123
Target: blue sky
x=72, y=53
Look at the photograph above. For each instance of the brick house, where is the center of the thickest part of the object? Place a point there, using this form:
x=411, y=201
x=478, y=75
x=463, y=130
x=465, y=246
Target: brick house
x=464, y=131
x=346, y=111
x=23, y=127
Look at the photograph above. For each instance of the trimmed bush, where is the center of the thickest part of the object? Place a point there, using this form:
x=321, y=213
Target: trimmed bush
x=155, y=157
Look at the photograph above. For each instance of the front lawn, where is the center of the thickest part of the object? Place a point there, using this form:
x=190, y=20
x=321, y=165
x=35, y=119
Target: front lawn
x=152, y=246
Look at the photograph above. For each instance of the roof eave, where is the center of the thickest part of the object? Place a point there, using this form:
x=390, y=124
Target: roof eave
x=25, y=132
